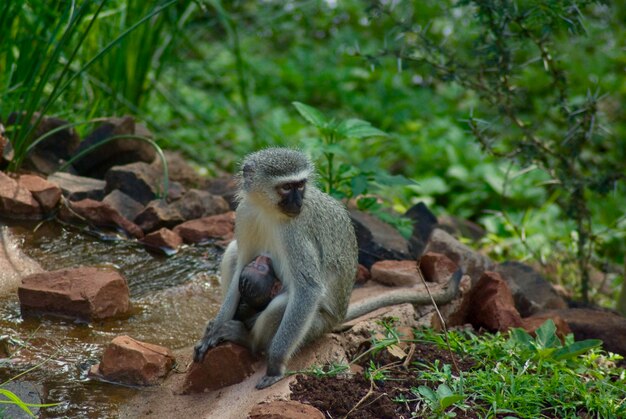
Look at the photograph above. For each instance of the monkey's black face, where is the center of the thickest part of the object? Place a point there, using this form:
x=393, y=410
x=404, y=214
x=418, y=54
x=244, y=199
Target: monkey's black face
x=291, y=196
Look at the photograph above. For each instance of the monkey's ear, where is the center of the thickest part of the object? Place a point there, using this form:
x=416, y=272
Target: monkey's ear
x=248, y=172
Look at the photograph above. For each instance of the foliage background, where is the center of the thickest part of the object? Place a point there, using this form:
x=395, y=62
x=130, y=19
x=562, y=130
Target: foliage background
x=217, y=80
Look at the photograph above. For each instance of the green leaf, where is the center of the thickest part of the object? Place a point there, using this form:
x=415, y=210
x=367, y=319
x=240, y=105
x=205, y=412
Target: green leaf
x=521, y=338
x=577, y=348
x=546, y=335
x=359, y=184
x=312, y=115
x=448, y=401
x=427, y=393
x=358, y=128
x=444, y=391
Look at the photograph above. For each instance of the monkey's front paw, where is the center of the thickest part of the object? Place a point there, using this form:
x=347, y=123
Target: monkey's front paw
x=200, y=350
x=268, y=380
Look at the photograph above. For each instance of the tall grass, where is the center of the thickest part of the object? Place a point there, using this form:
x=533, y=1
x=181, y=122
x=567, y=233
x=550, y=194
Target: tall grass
x=50, y=50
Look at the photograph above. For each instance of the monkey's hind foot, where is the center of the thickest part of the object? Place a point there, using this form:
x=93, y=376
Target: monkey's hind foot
x=268, y=380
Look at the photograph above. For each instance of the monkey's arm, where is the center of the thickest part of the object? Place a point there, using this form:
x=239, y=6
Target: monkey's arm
x=213, y=334
x=401, y=296
x=296, y=324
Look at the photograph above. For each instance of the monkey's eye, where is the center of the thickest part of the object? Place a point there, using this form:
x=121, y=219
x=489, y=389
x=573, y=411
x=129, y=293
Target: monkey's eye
x=299, y=185
x=285, y=188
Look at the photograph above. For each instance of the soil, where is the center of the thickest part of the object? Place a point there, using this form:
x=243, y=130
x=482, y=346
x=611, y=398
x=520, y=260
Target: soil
x=355, y=396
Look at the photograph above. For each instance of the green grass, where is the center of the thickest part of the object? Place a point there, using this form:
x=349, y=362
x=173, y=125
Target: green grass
x=531, y=377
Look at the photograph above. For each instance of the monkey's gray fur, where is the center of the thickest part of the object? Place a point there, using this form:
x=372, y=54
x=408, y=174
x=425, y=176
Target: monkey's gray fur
x=311, y=241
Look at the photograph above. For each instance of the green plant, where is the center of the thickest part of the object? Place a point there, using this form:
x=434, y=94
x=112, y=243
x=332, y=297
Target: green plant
x=330, y=370
x=440, y=400
x=534, y=377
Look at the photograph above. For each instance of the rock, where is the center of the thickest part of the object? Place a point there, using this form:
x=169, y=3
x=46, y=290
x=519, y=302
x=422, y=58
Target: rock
x=594, y=324
x=459, y=227
x=99, y=214
x=488, y=305
x=531, y=324
x=362, y=275
x=158, y=214
x=49, y=154
x=220, y=227
x=222, y=366
x=197, y=204
x=132, y=362
x=226, y=187
x=16, y=202
x=531, y=291
x=117, y=152
x=139, y=180
x=180, y=170
x=424, y=223
x=76, y=188
x=86, y=293
x=493, y=308
x=472, y=263
x=163, y=240
x=28, y=392
x=285, y=409
x=437, y=267
x=377, y=240
x=124, y=204
x=396, y=273
x=47, y=194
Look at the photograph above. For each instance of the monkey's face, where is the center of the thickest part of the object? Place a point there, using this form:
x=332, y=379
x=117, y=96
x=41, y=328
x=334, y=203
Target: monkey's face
x=291, y=196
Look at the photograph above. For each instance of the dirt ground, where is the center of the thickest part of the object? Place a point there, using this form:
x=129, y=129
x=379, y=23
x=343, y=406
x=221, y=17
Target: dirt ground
x=355, y=396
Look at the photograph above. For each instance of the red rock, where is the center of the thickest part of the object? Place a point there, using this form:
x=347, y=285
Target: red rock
x=220, y=226
x=101, y=214
x=398, y=273
x=76, y=188
x=16, y=202
x=437, y=267
x=362, y=275
x=531, y=324
x=130, y=361
x=285, y=409
x=493, y=307
x=222, y=366
x=86, y=293
x=164, y=240
x=124, y=204
x=46, y=193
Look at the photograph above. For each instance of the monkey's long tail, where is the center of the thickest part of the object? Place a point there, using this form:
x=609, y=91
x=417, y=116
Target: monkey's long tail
x=404, y=295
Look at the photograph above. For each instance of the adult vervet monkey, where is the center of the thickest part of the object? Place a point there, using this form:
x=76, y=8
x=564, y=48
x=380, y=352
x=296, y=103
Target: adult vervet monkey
x=313, y=250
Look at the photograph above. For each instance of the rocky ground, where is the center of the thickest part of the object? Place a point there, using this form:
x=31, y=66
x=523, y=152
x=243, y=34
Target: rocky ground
x=120, y=189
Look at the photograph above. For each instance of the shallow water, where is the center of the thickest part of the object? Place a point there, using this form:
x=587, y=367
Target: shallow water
x=172, y=298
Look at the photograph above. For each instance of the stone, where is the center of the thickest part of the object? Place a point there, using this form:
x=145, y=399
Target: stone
x=362, y=275
x=16, y=202
x=226, y=187
x=488, y=305
x=129, y=361
x=50, y=153
x=46, y=193
x=221, y=227
x=99, y=214
x=459, y=227
x=531, y=324
x=377, y=240
x=285, y=409
x=396, y=273
x=29, y=392
x=531, y=291
x=124, y=204
x=222, y=366
x=118, y=152
x=139, y=180
x=473, y=263
x=587, y=323
x=437, y=267
x=163, y=240
x=424, y=222
x=158, y=214
x=85, y=293
x=76, y=187
x=179, y=170
x=197, y=204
